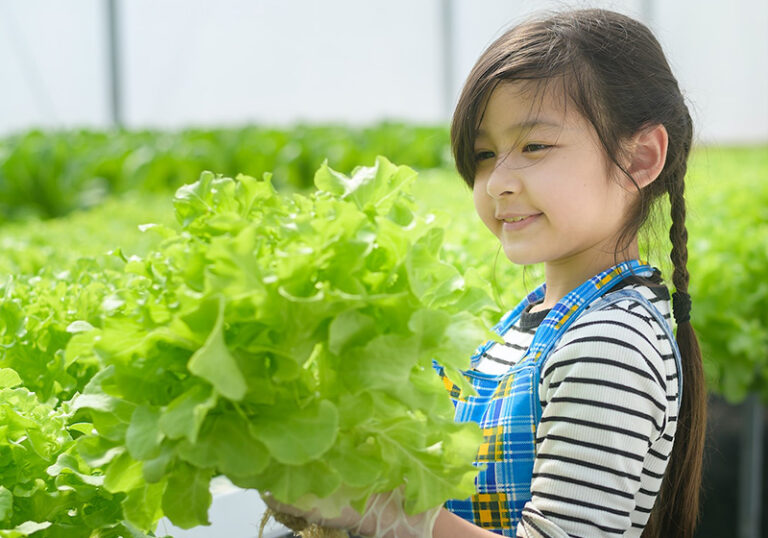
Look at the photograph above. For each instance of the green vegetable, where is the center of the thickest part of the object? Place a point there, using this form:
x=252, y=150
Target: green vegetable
x=47, y=489
x=287, y=343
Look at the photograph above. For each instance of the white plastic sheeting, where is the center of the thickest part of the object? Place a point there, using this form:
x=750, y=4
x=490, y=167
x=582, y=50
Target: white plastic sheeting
x=230, y=62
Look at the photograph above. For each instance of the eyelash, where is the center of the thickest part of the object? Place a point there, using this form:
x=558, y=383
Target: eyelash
x=539, y=146
x=483, y=155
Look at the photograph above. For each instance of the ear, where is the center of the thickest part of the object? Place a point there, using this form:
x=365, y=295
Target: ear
x=647, y=154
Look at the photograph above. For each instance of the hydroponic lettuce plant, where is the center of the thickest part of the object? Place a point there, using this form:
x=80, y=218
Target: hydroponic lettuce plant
x=46, y=489
x=286, y=342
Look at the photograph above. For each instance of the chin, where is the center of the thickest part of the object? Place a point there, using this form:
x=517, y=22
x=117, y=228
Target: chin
x=521, y=258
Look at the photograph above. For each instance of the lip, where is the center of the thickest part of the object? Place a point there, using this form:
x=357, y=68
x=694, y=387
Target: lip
x=513, y=226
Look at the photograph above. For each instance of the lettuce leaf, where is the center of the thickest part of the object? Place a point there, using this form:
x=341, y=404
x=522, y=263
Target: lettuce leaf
x=285, y=341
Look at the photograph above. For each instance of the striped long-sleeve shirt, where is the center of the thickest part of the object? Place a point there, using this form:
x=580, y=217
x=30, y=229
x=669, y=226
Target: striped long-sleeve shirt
x=609, y=398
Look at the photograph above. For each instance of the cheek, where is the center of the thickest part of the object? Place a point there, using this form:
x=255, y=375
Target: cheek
x=484, y=206
x=477, y=196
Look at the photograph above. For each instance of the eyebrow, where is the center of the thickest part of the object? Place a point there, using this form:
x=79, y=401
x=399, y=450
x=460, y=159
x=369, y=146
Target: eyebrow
x=526, y=125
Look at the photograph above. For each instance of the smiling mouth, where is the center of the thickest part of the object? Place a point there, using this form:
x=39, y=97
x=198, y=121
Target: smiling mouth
x=518, y=219
x=518, y=223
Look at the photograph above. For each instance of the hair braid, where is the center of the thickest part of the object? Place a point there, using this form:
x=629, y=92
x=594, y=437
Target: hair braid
x=679, y=495
x=678, y=234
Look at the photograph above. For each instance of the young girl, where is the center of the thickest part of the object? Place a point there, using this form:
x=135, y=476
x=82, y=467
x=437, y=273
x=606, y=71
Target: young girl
x=568, y=129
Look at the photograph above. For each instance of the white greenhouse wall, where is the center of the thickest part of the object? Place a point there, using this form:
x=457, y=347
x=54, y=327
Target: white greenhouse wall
x=231, y=62
x=52, y=64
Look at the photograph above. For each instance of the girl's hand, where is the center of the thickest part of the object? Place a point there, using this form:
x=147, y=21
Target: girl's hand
x=384, y=517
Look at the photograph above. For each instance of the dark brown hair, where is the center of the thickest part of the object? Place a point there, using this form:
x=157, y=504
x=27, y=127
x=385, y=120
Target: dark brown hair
x=614, y=72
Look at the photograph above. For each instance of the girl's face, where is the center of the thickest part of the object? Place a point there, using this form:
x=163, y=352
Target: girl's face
x=542, y=184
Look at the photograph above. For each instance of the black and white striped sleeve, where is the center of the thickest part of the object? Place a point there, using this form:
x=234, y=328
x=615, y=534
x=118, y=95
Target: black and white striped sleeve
x=605, y=408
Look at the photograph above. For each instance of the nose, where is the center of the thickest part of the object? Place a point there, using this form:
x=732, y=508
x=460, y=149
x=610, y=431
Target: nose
x=503, y=180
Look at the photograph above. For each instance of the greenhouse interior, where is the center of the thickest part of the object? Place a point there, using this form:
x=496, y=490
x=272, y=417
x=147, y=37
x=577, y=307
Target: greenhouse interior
x=245, y=249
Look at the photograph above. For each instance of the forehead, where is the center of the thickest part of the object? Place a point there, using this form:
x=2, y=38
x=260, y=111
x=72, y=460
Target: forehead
x=526, y=105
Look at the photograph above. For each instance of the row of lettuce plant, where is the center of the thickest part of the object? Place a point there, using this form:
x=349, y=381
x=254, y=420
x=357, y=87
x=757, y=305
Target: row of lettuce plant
x=49, y=174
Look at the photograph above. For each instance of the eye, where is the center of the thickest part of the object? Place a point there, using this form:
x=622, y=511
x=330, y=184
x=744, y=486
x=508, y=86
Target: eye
x=483, y=155
x=531, y=148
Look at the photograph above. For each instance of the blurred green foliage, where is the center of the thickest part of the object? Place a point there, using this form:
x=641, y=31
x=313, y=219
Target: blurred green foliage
x=728, y=262
x=49, y=174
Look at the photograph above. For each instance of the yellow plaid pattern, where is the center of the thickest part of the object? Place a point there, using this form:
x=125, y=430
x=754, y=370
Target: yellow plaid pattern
x=492, y=448
x=505, y=387
x=567, y=315
x=452, y=389
x=491, y=510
